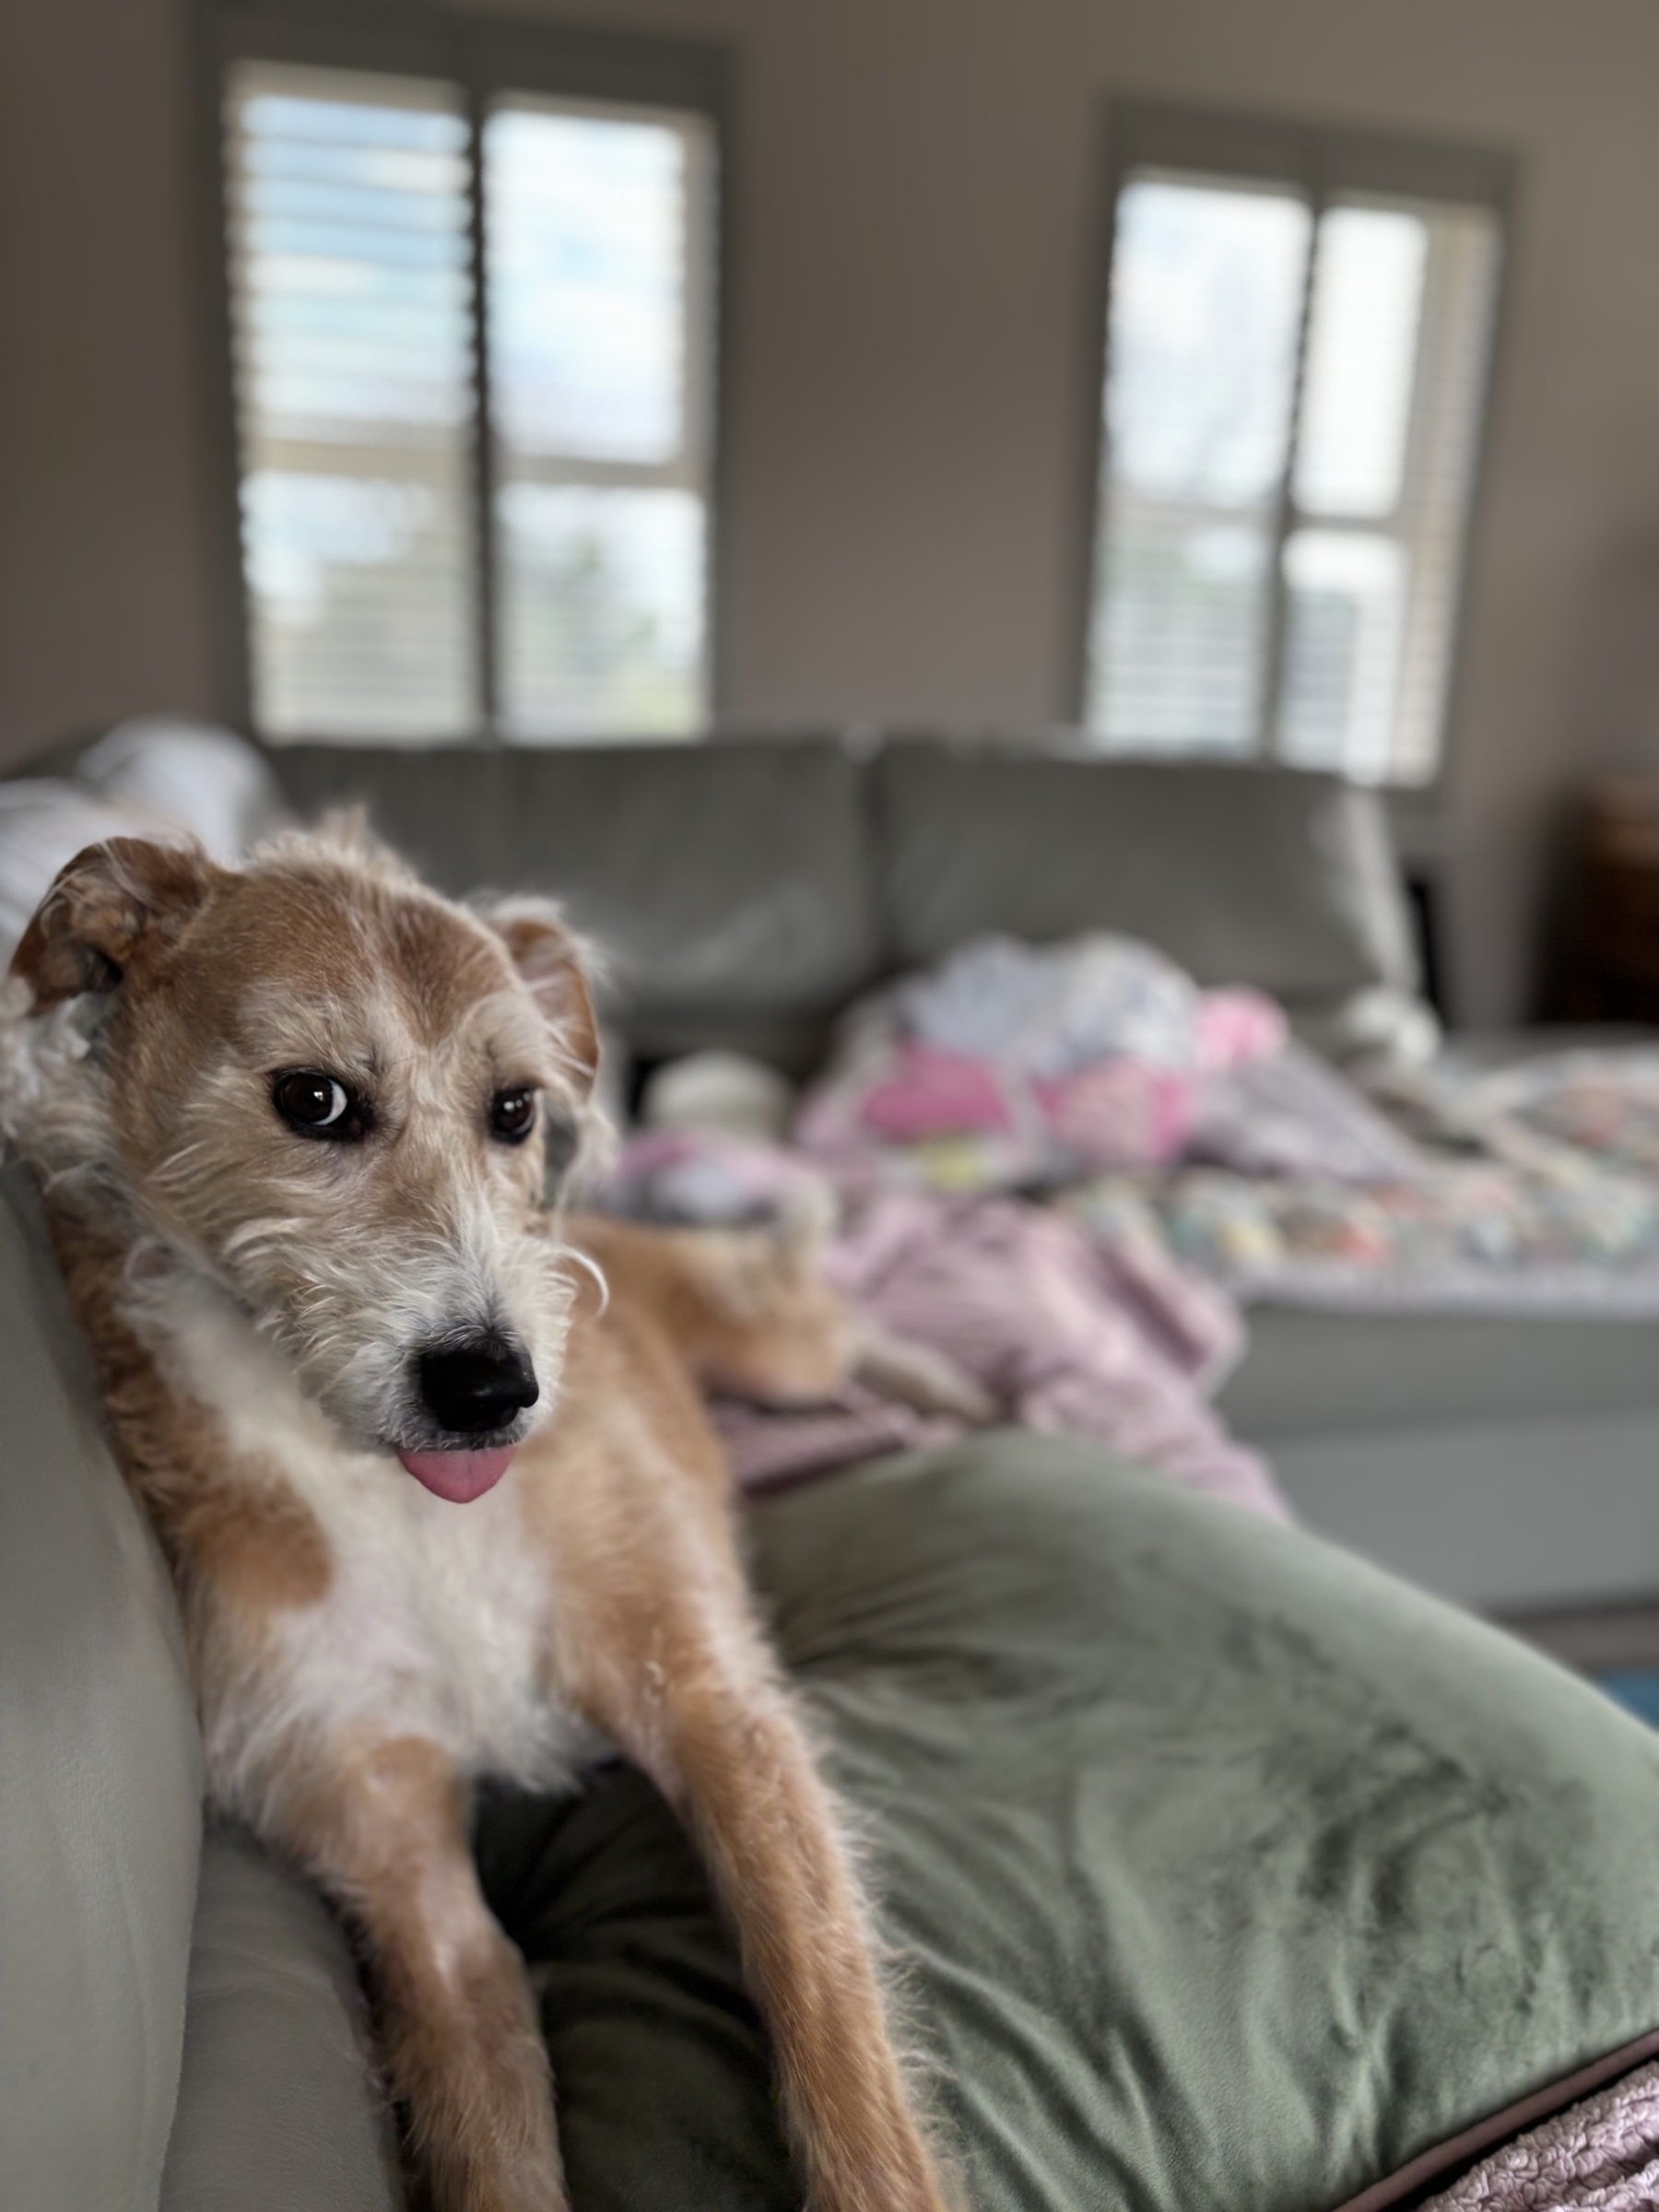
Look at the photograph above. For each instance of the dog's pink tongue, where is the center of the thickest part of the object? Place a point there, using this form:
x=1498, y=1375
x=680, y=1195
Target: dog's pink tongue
x=458, y=1476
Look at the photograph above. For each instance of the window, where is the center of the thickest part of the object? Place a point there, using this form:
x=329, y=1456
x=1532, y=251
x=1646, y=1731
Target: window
x=1298, y=330
x=471, y=320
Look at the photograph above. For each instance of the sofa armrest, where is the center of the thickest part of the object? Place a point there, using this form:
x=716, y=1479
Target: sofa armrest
x=279, y=2104
x=100, y=1775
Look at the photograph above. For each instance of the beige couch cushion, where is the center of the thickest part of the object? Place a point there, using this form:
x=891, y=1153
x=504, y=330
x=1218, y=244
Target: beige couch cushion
x=99, y=1778
x=280, y=2107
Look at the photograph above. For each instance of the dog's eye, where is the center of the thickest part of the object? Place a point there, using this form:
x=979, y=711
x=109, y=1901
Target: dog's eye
x=513, y=1114
x=317, y=1105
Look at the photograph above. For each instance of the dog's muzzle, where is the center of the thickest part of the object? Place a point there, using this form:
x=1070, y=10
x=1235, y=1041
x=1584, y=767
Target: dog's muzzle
x=477, y=1386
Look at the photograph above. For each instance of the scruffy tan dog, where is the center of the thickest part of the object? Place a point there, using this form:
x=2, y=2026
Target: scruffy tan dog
x=435, y=1511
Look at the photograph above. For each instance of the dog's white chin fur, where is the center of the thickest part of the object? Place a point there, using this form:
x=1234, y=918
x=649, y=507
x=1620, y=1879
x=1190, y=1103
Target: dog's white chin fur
x=348, y=1338
x=350, y=1325
x=217, y=1353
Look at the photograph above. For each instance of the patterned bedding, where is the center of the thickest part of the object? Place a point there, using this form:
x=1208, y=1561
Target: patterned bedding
x=1095, y=1078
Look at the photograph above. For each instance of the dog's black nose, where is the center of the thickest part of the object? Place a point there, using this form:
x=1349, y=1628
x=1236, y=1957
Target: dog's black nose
x=477, y=1385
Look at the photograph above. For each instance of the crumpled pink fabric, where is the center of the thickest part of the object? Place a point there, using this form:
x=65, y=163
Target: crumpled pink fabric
x=1600, y=2156
x=1070, y=1337
x=1046, y=1061
x=935, y=1093
x=770, y=1450
x=1114, y=1113
x=1120, y=1113
x=1237, y=1027
x=691, y=1176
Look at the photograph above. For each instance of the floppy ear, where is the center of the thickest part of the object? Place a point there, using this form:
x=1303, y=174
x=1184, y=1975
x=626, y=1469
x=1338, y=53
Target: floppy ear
x=551, y=962
x=110, y=907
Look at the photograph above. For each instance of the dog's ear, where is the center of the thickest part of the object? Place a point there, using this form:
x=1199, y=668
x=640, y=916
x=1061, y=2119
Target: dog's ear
x=110, y=905
x=552, y=963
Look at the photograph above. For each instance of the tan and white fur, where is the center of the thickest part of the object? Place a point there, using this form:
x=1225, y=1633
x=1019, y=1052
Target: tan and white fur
x=269, y=1300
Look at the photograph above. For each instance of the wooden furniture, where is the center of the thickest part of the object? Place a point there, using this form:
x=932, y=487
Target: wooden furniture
x=1609, y=963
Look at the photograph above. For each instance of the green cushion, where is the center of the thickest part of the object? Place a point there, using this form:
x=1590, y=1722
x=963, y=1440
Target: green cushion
x=1231, y=1873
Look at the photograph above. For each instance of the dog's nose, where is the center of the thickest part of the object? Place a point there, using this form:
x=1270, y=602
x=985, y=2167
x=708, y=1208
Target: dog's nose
x=477, y=1385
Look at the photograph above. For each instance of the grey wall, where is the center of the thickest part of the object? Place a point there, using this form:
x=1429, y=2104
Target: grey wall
x=909, y=366
x=103, y=503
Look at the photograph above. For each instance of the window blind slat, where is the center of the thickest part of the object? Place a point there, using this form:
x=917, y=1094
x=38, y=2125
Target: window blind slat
x=1216, y=544
x=352, y=255
x=352, y=316
x=599, y=242
x=1179, y=635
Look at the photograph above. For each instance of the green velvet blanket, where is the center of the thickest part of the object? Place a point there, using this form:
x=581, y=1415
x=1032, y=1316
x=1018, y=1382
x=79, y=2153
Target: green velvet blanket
x=1227, y=1874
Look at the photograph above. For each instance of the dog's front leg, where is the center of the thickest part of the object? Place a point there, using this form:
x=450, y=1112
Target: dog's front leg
x=383, y=1831
x=698, y=1704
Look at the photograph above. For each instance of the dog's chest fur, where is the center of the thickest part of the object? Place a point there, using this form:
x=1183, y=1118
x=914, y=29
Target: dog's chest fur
x=438, y=1619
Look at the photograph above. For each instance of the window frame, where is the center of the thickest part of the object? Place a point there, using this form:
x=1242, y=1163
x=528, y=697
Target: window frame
x=486, y=56
x=1326, y=162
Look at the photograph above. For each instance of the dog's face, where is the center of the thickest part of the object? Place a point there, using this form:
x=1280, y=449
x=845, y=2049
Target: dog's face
x=343, y=1096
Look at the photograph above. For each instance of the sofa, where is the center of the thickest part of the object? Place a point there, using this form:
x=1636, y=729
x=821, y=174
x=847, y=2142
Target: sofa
x=1223, y=1870
x=747, y=889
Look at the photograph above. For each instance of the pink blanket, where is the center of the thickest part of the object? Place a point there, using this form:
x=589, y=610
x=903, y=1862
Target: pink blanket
x=1600, y=2156
x=1064, y=1330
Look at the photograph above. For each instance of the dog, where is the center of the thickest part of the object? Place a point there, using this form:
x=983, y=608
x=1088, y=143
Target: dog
x=437, y=1510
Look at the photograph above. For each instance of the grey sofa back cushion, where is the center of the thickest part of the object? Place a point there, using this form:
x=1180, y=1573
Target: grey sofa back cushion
x=747, y=889
x=1244, y=875
x=730, y=880
x=99, y=1777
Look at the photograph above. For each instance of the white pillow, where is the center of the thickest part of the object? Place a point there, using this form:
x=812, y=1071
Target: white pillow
x=44, y=824
x=157, y=776
x=205, y=779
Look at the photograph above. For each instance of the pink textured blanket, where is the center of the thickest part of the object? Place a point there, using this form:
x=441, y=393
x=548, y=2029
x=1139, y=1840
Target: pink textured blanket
x=1600, y=2156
